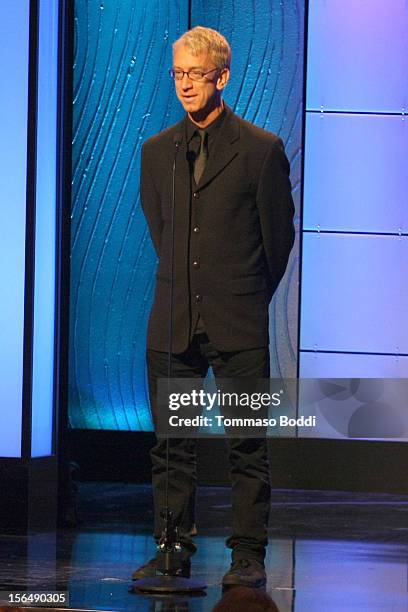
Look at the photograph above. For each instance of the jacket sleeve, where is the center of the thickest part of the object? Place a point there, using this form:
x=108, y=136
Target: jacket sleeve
x=150, y=201
x=276, y=210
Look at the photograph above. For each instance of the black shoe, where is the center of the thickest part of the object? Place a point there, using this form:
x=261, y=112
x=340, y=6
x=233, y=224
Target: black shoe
x=149, y=570
x=245, y=572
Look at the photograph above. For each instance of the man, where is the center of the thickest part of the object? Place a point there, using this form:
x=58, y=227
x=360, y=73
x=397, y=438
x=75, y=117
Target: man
x=233, y=233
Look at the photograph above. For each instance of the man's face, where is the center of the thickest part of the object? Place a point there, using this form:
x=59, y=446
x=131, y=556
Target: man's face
x=197, y=96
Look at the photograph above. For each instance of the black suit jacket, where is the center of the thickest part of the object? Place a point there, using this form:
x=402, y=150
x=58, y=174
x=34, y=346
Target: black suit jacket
x=233, y=234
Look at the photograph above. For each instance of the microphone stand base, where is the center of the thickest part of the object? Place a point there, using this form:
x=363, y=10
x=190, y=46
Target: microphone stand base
x=164, y=583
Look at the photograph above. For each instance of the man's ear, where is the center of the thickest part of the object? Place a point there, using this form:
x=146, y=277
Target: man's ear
x=223, y=78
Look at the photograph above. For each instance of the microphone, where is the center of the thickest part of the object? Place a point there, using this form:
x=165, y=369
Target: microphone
x=177, y=138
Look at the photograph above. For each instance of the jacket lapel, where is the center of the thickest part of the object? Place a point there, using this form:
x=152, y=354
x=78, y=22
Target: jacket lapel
x=182, y=178
x=225, y=149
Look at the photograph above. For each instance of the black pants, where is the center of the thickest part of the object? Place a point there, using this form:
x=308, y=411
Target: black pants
x=249, y=468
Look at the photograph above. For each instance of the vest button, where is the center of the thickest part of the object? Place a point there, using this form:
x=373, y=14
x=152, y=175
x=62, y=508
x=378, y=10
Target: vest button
x=198, y=297
x=196, y=195
x=196, y=230
x=196, y=264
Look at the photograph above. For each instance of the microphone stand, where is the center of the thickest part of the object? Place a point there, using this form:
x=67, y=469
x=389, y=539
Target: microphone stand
x=169, y=561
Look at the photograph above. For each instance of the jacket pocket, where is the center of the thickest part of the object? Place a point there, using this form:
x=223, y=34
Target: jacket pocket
x=247, y=284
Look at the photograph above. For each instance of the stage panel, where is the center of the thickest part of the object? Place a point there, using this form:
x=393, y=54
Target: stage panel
x=14, y=59
x=354, y=293
x=314, y=364
x=357, y=55
x=355, y=176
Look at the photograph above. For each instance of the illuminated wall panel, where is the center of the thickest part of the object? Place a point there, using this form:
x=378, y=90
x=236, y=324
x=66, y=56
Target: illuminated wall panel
x=14, y=29
x=345, y=365
x=123, y=95
x=355, y=172
x=357, y=55
x=45, y=242
x=355, y=242
x=354, y=293
x=28, y=207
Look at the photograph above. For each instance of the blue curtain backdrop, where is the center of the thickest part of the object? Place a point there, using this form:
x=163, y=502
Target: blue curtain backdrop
x=123, y=95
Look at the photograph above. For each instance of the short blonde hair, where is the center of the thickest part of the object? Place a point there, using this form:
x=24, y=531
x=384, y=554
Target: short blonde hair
x=200, y=39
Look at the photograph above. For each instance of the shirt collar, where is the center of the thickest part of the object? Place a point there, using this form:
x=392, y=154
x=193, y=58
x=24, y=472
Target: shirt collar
x=210, y=129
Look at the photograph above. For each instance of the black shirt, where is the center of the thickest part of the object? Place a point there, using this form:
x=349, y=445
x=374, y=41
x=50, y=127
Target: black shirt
x=193, y=142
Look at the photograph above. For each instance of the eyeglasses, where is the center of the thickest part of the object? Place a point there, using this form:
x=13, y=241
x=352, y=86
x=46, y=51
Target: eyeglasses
x=194, y=75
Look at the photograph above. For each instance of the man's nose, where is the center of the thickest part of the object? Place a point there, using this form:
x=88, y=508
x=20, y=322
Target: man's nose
x=186, y=82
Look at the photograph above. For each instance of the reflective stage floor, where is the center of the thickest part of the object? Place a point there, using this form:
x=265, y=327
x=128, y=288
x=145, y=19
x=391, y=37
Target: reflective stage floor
x=328, y=551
